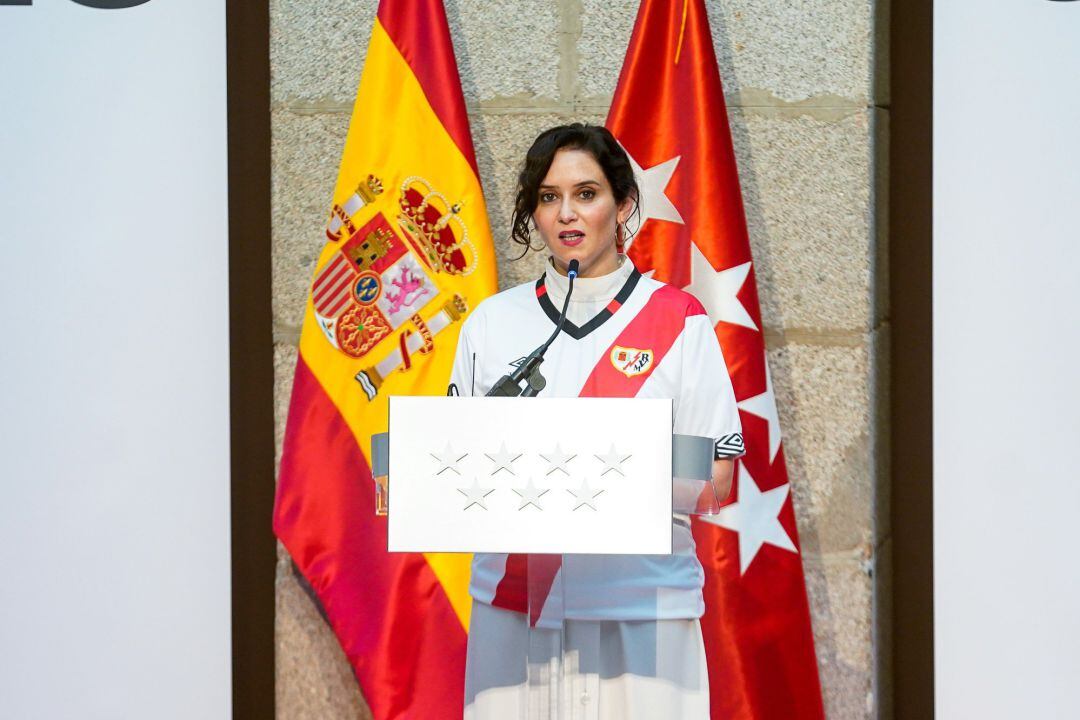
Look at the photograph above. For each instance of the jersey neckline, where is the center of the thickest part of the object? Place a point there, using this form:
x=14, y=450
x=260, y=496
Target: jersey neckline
x=579, y=331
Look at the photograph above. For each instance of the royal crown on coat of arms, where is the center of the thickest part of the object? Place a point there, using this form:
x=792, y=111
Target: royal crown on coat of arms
x=426, y=218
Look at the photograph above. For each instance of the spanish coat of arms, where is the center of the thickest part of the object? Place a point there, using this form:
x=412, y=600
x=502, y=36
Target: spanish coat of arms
x=382, y=278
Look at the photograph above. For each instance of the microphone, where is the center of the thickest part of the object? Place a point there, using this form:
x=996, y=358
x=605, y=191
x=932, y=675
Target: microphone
x=529, y=370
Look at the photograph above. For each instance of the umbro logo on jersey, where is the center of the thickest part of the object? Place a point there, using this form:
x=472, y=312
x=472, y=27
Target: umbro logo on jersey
x=631, y=361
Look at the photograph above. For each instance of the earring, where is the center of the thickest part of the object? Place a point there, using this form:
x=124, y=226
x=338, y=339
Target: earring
x=533, y=229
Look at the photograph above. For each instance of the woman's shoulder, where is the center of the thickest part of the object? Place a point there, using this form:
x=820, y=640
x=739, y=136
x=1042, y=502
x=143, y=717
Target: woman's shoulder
x=511, y=299
x=671, y=299
x=505, y=304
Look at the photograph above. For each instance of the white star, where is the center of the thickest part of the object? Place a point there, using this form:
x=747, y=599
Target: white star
x=584, y=495
x=448, y=460
x=503, y=459
x=654, y=203
x=613, y=460
x=718, y=291
x=557, y=459
x=530, y=495
x=754, y=517
x=475, y=495
x=764, y=406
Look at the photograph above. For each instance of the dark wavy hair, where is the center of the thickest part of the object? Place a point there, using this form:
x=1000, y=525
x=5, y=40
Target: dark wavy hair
x=593, y=139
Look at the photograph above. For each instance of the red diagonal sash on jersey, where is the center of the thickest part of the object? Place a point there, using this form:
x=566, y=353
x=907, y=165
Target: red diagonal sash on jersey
x=655, y=329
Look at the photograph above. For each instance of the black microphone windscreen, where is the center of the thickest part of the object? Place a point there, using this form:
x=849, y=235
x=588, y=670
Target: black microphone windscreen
x=572, y=269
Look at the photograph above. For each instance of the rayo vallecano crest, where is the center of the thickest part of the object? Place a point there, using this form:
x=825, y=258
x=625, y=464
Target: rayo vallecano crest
x=631, y=361
x=380, y=289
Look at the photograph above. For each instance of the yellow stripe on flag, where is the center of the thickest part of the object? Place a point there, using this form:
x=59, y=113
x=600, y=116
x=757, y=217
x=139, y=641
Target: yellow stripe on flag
x=394, y=135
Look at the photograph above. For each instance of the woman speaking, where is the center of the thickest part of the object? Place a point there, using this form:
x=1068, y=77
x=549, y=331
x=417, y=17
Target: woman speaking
x=623, y=639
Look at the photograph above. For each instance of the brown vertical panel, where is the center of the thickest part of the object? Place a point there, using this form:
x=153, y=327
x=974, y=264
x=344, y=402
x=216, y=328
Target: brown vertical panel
x=251, y=369
x=910, y=245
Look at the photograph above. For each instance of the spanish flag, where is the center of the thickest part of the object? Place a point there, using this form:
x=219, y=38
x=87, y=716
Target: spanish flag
x=408, y=254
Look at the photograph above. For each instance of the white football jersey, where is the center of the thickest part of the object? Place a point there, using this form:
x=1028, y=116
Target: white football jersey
x=626, y=336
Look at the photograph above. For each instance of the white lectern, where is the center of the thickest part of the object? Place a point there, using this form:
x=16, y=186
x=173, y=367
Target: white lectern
x=539, y=479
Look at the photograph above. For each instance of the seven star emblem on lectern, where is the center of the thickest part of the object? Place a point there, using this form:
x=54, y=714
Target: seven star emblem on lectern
x=557, y=459
x=503, y=459
x=613, y=460
x=584, y=495
x=448, y=459
x=530, y=495
x=475, y=495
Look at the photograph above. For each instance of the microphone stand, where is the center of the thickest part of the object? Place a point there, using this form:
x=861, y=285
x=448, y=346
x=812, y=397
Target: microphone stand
x=529, y=370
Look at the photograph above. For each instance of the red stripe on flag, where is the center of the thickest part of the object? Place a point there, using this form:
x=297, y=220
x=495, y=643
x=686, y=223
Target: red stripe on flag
x=396, y=625
x=655, y=328
x=419, y=30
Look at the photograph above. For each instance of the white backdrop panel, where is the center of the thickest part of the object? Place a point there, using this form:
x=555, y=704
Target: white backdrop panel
x=1006, y=340
x=114, y=435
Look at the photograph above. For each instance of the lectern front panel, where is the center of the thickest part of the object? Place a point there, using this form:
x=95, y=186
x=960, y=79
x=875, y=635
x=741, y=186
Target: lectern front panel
x=530, y=475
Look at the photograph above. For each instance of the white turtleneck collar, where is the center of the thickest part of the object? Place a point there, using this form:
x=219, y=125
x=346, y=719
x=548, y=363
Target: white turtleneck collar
x=591, y=295
x=587, y=290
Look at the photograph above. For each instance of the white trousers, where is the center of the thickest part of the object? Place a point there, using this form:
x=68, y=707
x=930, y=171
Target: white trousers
x=588, y=670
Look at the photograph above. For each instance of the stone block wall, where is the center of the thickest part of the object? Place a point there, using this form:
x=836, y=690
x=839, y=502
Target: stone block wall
x=808, y=111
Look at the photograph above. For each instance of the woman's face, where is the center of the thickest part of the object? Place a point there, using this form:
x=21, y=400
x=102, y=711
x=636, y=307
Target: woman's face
x=576, y=214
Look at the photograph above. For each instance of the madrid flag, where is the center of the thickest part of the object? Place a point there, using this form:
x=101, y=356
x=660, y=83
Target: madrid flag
x=669, y=114
x=408, y=254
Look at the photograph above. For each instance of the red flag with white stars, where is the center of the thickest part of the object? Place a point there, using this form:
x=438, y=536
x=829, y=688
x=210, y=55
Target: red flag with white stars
x=669, y=114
